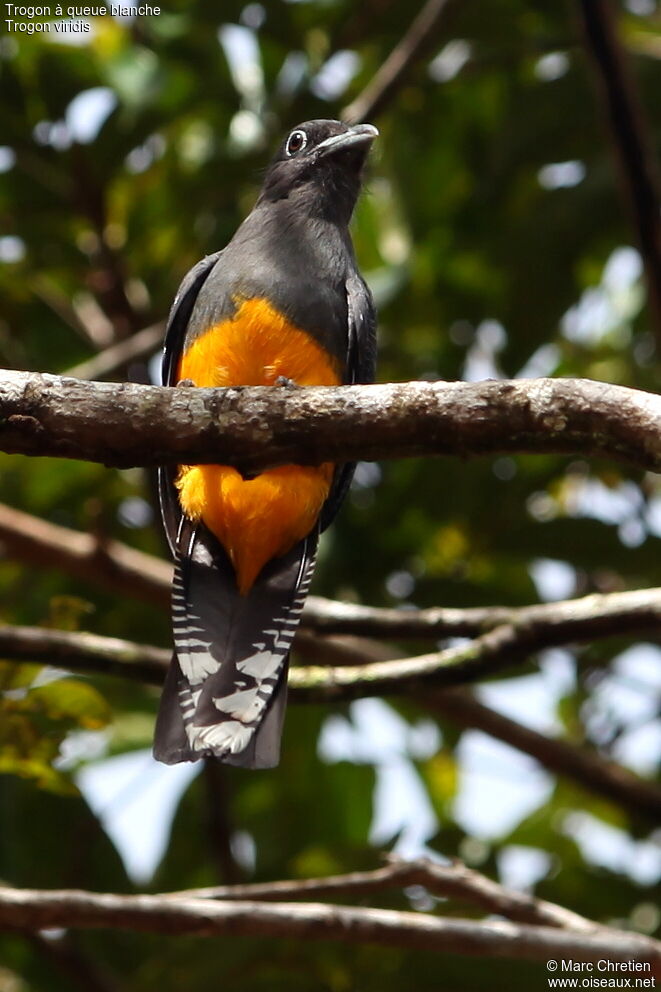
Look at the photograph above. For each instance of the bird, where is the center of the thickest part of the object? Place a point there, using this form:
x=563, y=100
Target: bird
x=282, y=305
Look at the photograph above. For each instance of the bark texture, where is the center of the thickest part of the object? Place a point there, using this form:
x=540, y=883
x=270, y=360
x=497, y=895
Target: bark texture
x=28, y=909
x=256, y=427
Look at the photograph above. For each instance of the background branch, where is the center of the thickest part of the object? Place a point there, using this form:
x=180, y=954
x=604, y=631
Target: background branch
x=139, y=345
x=486, y=655
x=392, y=74
x=219, y=820
x=596, y=615
x=90, y=653
x=257, y=427
x=588, y=769
x=107, y=563
x=28, y=909
x=113, y=565
x=454, y=881
x=633, y=146
x=79, y=969
x=84, y=652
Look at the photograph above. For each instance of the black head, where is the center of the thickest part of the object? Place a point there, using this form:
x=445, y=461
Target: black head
x=320, y=164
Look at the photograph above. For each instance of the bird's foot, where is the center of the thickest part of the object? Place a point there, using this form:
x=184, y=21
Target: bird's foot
x=282, y=380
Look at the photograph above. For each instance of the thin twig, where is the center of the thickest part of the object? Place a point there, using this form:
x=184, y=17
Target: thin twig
x=606, y=778
x=80, y=970
x=384, y=84
x=119, y=355
x=217, y=795
x=454, y=881
x=106, y=277
x=99, y=328
x=631, y=138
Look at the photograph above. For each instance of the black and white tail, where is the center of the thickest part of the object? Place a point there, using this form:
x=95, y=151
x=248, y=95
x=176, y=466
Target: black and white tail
x=226, y=688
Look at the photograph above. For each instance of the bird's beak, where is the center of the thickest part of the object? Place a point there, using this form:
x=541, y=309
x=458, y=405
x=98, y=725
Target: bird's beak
x=359, y=134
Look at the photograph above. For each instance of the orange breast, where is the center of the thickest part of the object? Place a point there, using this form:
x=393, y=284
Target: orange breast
x=262, y=518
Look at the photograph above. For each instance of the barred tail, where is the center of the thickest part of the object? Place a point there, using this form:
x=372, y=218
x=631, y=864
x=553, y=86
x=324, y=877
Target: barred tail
x=225, y=692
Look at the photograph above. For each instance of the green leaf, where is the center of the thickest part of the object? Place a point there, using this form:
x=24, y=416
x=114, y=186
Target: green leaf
x=70, y=700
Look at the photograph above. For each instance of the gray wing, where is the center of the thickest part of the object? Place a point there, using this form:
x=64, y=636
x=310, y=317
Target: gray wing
x=361, y=367
x=175, y=335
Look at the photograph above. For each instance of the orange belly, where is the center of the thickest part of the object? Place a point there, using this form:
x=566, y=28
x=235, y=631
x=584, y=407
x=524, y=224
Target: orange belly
x=255, y=519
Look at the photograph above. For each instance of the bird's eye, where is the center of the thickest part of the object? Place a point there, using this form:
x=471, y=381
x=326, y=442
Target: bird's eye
x=296, y=142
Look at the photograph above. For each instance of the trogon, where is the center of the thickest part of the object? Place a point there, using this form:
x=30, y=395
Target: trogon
x=282, y=305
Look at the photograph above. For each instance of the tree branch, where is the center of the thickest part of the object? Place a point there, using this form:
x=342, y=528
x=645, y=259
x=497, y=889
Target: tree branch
x=106, y=278
x=107, y=563
x=384, y=84
x=606, y=778
x=596, y=615
x=257, y=427
x=35, y=910
x=91, y=653
x=117, y=356
x=80, y=651
x=115, y=565
x=454, y=881
x=630, y=133
x=80, y=970
x=219, y=826
x=486, y=655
